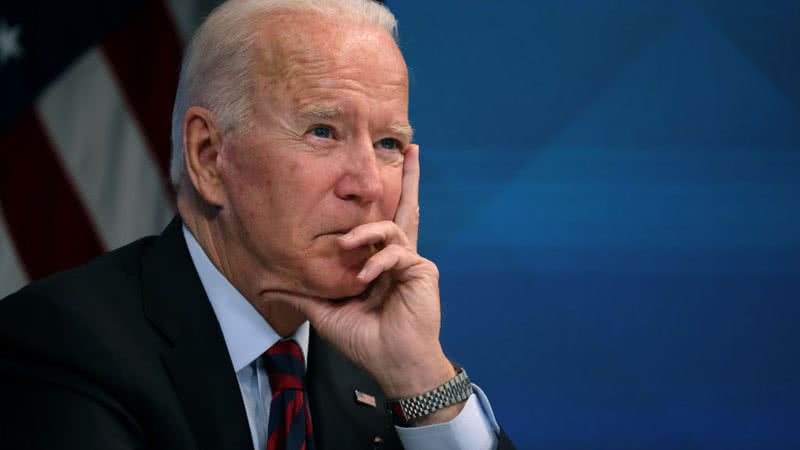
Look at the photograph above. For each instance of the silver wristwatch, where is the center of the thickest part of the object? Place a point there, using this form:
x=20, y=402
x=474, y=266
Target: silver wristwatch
x=454, y=390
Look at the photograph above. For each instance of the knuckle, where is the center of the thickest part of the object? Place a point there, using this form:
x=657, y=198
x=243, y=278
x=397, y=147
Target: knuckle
x=359, y=228
x=375, y=264
x=387, y=229
x=394, y=249
x=432, y=266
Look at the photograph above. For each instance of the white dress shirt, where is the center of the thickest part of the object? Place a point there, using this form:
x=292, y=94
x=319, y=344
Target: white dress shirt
x=247, y=335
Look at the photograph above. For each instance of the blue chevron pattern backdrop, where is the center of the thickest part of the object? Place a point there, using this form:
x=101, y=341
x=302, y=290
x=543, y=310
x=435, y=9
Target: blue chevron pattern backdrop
x=612, y=192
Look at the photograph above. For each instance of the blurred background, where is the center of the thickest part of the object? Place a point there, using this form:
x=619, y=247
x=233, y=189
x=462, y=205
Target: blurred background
x=611, y=190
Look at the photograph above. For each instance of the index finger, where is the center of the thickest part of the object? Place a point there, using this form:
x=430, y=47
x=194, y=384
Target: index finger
x=407, y=216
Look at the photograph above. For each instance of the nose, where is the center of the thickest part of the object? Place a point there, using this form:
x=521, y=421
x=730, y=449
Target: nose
x=361, y=181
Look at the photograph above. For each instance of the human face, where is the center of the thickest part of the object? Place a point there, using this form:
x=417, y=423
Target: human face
x=324, y=154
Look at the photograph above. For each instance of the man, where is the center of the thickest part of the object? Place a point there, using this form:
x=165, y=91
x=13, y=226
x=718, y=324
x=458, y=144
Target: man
x=297, y=192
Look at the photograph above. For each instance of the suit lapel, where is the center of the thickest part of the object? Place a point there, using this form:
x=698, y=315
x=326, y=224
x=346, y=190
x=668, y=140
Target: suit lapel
x=197, y=360
x=339, y=420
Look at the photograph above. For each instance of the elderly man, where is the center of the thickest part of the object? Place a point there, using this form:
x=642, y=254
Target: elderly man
x=296, y=245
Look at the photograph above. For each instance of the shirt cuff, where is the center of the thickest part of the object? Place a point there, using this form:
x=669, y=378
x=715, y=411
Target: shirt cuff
x=474, y=428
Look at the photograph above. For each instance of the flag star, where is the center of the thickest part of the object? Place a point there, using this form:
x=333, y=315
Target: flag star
x=9, y=42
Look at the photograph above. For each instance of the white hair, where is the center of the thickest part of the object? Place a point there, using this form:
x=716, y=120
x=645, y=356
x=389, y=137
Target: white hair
x=215, y=70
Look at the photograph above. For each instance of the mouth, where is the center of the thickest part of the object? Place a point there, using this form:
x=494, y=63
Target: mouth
x=334, y=233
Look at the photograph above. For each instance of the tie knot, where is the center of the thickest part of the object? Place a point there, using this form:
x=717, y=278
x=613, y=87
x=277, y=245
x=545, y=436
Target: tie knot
x=285, y=366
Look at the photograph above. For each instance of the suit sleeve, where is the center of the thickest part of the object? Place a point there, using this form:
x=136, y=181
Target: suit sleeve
x=503, y=442
x=45, y=402
x=42, y=416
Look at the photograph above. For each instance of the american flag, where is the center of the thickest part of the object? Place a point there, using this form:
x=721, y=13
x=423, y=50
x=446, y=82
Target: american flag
x=365, y=399
x=86, y=92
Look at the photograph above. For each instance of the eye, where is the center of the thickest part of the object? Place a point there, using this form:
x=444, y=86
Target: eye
x=322, y=131
x=390, y=144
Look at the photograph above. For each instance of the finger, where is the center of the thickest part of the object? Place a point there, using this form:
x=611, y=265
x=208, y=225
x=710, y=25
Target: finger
x=407, y=216
x=316, y=309
x=394, y=258
x=373, y=233
x=328, y=317
x=311, y=307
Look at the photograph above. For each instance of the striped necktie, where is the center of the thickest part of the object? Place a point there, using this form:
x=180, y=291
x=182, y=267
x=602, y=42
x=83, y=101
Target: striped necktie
x=289, y=420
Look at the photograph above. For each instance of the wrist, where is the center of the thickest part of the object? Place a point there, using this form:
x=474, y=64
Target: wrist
x=440, y=404
x=413, y=379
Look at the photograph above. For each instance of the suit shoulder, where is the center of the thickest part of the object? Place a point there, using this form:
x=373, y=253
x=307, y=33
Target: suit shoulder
x=106, y=290
x=85, y=321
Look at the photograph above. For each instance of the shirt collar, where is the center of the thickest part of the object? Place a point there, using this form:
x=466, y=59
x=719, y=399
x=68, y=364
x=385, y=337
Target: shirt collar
x=247, y=335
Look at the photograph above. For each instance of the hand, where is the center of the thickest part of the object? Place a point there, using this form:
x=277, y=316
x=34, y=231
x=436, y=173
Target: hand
x=392, y=329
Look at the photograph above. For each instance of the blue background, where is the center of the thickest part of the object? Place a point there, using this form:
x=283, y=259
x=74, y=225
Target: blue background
x=611, y=191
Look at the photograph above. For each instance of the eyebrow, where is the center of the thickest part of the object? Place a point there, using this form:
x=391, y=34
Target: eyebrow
x=320, y=112
x=404, y=130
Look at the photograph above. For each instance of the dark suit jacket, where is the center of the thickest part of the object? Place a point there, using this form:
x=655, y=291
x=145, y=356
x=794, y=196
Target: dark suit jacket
x=126, y=352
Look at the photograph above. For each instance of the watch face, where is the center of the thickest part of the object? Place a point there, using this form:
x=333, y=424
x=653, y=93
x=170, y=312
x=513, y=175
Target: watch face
x=397, y=411
x=454, y=390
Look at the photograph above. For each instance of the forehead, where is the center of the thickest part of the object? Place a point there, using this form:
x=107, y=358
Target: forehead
x=306, y=49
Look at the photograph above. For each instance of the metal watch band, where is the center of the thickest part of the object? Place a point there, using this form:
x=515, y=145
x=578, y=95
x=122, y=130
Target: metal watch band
x=454, y=390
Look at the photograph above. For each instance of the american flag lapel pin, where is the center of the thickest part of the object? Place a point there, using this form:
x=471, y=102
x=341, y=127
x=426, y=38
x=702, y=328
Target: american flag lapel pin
x=365, y=399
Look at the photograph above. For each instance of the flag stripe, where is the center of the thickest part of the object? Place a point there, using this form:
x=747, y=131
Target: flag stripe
x=50, y=228
x=109, y=163
x=12, y=275
x=149, y=41
x=52, y=35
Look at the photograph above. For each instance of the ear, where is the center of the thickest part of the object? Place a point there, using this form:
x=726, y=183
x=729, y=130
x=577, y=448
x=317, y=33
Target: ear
x=202, y=143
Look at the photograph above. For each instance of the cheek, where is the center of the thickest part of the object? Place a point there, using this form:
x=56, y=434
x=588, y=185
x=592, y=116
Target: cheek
x=246, y=176
x=236, y=164
x=249, y=184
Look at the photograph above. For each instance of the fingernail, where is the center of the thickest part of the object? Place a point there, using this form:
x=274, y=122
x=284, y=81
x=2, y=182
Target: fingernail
x=363, y=274
x=347, y=236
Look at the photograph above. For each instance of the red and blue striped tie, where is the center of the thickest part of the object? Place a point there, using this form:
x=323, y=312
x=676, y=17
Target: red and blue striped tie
x=289, y=420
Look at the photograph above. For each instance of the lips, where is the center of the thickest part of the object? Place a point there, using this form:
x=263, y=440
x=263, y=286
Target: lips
x=335, y=233
x=339, y=230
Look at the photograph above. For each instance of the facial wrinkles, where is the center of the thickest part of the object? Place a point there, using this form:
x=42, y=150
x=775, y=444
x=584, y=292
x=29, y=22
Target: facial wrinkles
x=323, y=46
x=379, y=103
x=283, y=197
x=325, y=59
x=354, y=112
x=348, y=70
x=310, y=69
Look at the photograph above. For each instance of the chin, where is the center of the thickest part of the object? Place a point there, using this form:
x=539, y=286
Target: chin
x=342, y=294
x=338, y=286
x=334, y=277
